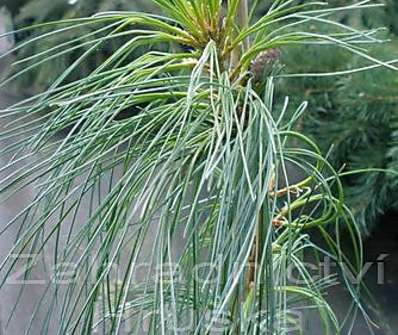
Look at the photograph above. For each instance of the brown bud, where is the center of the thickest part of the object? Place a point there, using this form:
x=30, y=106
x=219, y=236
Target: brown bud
x=277, y=222
x=262, y=65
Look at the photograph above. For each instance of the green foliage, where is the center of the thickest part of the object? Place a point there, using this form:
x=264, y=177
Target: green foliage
x=36, y=12
x=354, y=116
x=197, y=168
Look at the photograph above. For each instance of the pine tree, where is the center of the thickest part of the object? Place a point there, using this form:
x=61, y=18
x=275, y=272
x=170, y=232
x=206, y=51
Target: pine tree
x=204, y=163
x=361, y=135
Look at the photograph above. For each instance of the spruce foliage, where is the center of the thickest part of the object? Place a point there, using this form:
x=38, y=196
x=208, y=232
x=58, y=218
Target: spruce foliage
x=355, y=116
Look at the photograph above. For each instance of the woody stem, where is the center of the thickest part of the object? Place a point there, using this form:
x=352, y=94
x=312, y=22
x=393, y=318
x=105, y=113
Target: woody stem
x=242, y=22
